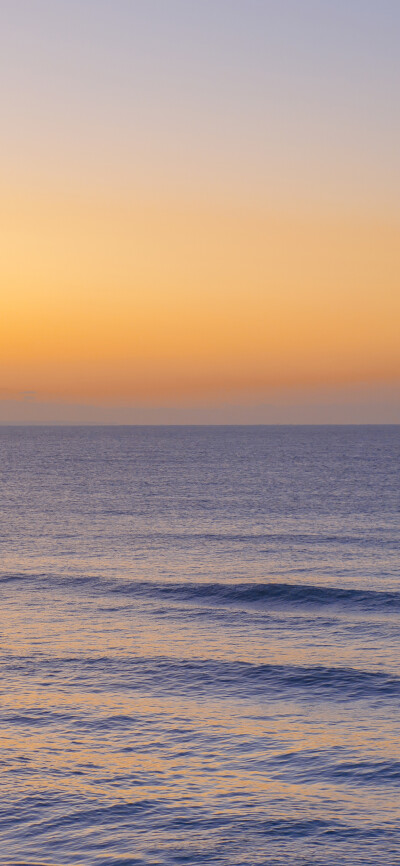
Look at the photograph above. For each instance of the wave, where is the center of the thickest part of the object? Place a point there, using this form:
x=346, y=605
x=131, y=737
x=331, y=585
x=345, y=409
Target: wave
x=165, y=537
x=221, y=593
x=306, y=767
x=214, y=677
x=262, y=594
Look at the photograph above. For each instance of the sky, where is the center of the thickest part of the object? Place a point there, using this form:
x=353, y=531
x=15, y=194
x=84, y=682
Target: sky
x=199, y=211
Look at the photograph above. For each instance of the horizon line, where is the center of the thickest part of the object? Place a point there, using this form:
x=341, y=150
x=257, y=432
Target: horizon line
x=290, y=424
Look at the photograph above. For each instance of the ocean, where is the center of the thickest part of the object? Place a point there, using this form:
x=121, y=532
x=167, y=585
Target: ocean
x=199, y=646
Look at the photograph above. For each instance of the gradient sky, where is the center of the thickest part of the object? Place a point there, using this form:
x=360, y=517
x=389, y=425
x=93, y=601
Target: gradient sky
x=200, y=211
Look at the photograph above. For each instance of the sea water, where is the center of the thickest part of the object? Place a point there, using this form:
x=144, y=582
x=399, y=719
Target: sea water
x=200, y=646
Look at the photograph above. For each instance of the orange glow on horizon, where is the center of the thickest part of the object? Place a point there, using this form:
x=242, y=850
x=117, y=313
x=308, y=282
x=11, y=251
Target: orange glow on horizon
x=168, y=301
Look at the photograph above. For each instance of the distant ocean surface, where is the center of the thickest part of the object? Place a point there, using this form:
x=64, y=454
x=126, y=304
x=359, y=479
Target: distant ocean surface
x=200, y=646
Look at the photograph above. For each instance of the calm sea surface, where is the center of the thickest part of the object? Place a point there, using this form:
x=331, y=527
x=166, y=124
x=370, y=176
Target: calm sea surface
x=200, y=646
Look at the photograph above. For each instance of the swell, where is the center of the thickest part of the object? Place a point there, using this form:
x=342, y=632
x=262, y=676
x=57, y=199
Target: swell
x=264, y=594
x=211, y=677
x=366, y=539
x=305, y=767
x=50, y=819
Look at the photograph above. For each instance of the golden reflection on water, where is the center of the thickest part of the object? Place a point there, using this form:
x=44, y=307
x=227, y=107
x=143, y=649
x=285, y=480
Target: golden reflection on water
x=131, y=628
x=198, y=705
x=90, y=734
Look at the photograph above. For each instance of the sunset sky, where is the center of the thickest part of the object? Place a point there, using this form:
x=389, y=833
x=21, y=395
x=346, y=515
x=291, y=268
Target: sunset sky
x=200, y=211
